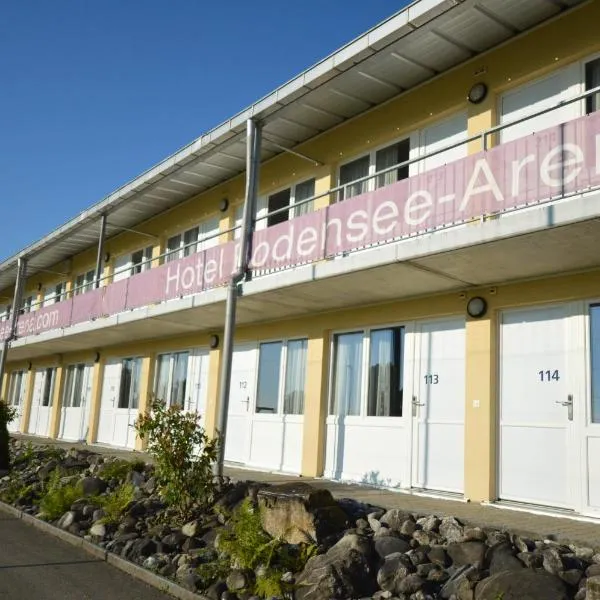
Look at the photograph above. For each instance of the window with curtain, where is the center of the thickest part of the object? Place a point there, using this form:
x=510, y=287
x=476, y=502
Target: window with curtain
x=48, y=389
x=351, y=172
x=295, y=377
x=179, y=381
x=173, y=245
x=595, y=362
x=269, y=374
x=15, y=389
x=140, y=260
x=347, y=374
x=130, y=381
x=171, y=378
x=388, y=157
x=161, y=390
x=385, y=372
x=26, y=304
x=207, y=233
x=592, y=80
x=77, y=386
x=190, y=241
x=84, y=282
x=304, y=191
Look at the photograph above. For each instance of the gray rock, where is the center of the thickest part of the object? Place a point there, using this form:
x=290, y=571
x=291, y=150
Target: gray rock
x=45, y=470
x=191, y=529
x=237, y=580
x=384, y=546
x=346, y=570
x=93, y=486
x=501, y=557
x=426, y=538
x=215, y=591
x=408, y=528
x=571, y=577
x=453, y=581
x=474, y=534
x=98, y=514
x=593, y=570
x=451, y=529
x=523, y=544
x=395, y=568
x=394, y=519
x=466, y=553
x=592, y=588
x=374, y=521
x=552, y=561
x=439, y=556
x=137, y=479
x=150, y=486
x=495, y=537
x=174, y=540
x=430, y=523
x=525, y=584
x=67, y=520
x=532, y=560
x=410, y=584
x=98, y=530
x=89, y=509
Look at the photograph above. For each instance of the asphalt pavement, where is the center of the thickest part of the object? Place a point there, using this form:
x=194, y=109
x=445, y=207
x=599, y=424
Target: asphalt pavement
x=37, y=566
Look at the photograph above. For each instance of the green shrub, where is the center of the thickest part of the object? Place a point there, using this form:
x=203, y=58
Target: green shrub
x=183, y=456
x=58, y=498
x=116, y=469
x=13, y=491
x=116, y=502
x=7, y=414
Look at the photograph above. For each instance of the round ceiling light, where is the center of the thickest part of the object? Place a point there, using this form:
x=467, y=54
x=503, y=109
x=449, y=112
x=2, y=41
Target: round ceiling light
x=477, y=93
x=476, y=307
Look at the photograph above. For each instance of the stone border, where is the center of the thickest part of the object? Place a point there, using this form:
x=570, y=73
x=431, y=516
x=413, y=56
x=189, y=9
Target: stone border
x=156, y=581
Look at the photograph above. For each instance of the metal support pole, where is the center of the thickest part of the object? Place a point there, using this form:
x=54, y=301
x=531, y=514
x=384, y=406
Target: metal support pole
x=253, y=144
x=14, y=314
x=100, y=256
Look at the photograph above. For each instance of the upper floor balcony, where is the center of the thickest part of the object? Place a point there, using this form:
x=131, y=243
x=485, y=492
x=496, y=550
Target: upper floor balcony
x=524, y=208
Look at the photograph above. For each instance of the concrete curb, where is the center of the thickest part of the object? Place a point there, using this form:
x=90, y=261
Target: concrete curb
x=156, y=581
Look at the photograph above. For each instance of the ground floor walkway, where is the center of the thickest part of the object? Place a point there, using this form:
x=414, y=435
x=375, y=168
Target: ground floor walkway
x=558, y=527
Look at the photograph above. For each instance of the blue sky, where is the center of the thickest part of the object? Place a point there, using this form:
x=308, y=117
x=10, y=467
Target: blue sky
x=94, y=93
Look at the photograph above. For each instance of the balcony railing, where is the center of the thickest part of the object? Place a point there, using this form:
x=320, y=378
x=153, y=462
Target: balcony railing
x=554, y=163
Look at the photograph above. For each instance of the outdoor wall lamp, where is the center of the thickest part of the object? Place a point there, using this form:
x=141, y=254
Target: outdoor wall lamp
x=39, y=287
x=477, y=93
x=224, y=205
x=476, y=307
x=107, y=257
x=213, y=341
x=97, y=357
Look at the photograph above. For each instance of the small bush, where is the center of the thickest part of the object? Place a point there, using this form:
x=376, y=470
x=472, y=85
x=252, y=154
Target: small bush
x=117, y=469
x=14, y=491
x=7, y=414
x=116, y=502
x=58, y=498
x=183, y=456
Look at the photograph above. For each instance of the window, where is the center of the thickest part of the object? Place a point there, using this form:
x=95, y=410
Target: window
x=385, y=372
x=592, y=80
x=55, y=293
x=273, y=369
x=73, y=395
x=27, y=305
x=289, y=198
x=48, y=387
x=376, y=357
x=5, y=312
x=351, y=172
x=595, y=361
x=129, y=389
x=347, y=374
x=193, y=240
x=16, y=388
x=84, y=282
x=373, y=163
x=171, y=378
x=269, y=372
x=141, y=260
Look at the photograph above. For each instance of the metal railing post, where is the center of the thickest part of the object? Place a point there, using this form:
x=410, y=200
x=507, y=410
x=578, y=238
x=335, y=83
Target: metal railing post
x=253, y=146
x=100, y=254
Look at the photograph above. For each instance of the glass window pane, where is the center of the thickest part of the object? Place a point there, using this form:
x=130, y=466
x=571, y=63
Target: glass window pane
x=592, y=80
x=134, y=395
x=277, y=201
x=161, y=390
x=125, y=387
x=179, y=383
x=68, y=391
x=385, y=373
x=295, y=377
x=190, y=239
x=173, y=245
x=350, y=172
x=387, y=157
x=304, y=191
x=48, y=387
x=595, y=361
x=78, y=386
x=269, y=372
x=347, y=374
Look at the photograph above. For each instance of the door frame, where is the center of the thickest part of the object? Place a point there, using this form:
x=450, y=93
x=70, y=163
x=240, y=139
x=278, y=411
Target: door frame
x=576, y=355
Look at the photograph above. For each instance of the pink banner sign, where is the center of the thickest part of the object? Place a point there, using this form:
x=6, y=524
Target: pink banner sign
x=558, y=161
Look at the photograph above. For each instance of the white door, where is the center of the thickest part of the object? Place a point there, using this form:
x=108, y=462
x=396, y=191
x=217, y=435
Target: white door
x=75, y=410
x=109, y=401
x=438, y=406
x=197, y=383
x=241, y=402
x=41, y=402
x=539, y=95
x=535, y=425
x=16, y=396
x=442, y=134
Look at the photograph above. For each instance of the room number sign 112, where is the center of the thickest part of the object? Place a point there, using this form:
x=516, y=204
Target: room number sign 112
x=547, y=376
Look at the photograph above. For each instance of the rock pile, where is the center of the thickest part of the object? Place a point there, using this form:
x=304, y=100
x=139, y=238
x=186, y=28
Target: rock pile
x=359, y=551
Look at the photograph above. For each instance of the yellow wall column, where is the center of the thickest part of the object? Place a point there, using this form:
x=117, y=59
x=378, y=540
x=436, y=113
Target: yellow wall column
x=325, y=180
x=212, y=395
x=23, y=425
x=481, y=408
x=59, y=385
x=315, y=405
x=96, y=400
x=146, y=392
x=481, y=117
x=4, y=390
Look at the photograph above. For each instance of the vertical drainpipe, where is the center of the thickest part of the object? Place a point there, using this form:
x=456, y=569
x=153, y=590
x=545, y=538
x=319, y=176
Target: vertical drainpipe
x=14, y=314
x=253, y=144
x=100, y=251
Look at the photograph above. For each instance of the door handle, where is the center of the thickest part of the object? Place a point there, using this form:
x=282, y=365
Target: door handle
x=569, y=404
x=415, y=404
